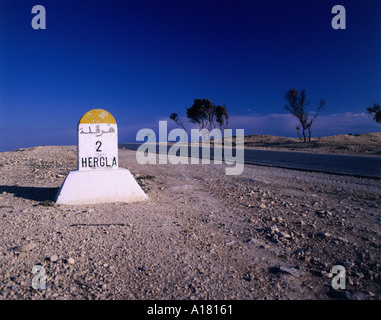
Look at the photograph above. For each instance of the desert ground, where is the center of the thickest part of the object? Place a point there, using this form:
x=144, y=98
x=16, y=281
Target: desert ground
x=268, y=233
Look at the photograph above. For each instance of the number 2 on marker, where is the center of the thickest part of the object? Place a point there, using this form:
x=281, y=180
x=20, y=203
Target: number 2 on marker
x=98, y=143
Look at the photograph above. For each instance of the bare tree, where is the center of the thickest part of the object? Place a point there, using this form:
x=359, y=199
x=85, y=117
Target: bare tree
x=298, y=131
x=297, y=106
x=175, y=117
x=375, y=111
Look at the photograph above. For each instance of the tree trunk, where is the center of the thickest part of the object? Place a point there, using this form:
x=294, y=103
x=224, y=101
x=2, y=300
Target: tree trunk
x=298, y=131
x=309, y=133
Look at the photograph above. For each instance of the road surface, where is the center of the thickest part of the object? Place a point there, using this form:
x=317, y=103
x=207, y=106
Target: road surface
x=328, y=163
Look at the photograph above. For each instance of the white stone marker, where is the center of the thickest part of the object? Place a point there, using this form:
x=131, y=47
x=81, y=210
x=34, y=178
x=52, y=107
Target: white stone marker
x=97, y=141
x=98, y=178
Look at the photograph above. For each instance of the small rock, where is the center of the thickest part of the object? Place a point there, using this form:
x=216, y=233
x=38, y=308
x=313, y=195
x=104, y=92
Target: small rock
x=326, y=274
x=274, y=237
x=53, y=258
x=252, y=240
x=324, y=234
x=284, y=234
x=229, y=242
x=323, y=213
x=288, y=270
x=143, y=268
x=299, y=253
x=47, y=203
x=274, y=229
x=262, y=206
x=345, y=240
x=301, y=223
x=25, y=248
x=349, y=264
x=201, y=270
x=70, y=261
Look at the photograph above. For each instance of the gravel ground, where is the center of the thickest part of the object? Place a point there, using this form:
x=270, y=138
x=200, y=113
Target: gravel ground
x=268, y=233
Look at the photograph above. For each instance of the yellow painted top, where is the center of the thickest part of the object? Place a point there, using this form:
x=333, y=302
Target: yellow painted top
x=97, y=116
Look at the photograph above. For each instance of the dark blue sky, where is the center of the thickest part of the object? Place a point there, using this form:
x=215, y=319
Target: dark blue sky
x=142, y=60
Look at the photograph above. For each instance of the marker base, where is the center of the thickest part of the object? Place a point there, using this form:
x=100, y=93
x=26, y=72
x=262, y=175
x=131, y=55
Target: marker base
x=99, y=186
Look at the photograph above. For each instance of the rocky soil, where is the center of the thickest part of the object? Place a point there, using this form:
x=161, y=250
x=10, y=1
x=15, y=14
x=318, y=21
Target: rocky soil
x=268, y=233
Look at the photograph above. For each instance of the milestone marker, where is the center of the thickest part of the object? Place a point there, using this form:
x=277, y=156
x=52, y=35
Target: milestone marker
x=97, y=141
x=98, y=178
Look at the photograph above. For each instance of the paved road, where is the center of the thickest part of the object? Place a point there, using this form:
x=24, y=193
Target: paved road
x=329, y=163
